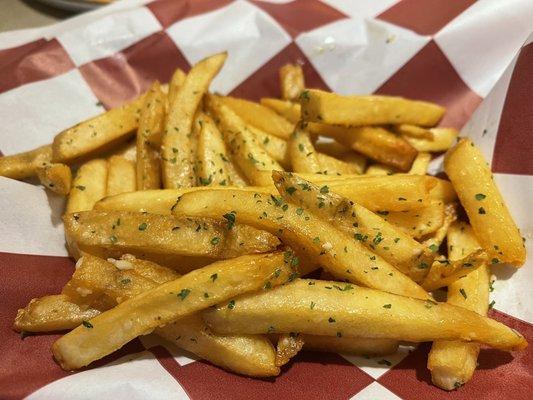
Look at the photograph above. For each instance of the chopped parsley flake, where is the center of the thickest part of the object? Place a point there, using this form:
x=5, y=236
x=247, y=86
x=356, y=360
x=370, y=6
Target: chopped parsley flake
x=184, y=293
x=480, y=196
x=324, y=189
x=387, y=306
x=143, y=226
x=481, y=210
x=87, y=324
x=231, y=304
x=463, y=293
x=215, y=241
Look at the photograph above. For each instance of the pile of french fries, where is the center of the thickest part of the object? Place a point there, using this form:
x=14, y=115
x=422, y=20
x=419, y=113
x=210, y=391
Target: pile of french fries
x=198, y=217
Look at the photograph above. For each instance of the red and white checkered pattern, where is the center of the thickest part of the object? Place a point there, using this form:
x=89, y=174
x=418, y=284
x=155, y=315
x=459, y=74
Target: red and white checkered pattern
x=475, y=58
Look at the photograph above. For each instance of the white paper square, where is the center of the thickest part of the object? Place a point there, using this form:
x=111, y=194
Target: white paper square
x=482, y=128
x=250, y=36
x=375, y=391
x=512, y=289
x=134, y=377
x=361, y=8
x=358, y=55
x=108, y=35
x=33, y=114
x=483, y=40
x=377, y=366
x=31, y=220
x=181, y=356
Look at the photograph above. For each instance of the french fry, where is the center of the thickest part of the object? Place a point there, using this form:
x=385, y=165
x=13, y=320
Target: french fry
x=288, y=346
x=159, y=201
x=333, y=308
x=489, y=216
x=97, y=134
x=214, y=161
x=444, y=273
x=88, y=186
x=442, y=190
x=452, y=364
x=345, y=258
x=330, y=165
x=52, y=313
x=57, y=177
x=177, y=152
x=24, y=165
x=251, y=355
x=148, y=141
x=384, y=239
x=417, y=223
x=442, y=140
x=177, y=80
x=379, y=169
x=260, y=116
x=245, y=147
x=287, y=109
x=114, y=233
x=334, y=109
x=349, y=345
x=434, y=240
x=159, y=306
x=412, y=131
x=374, y=142
x=304, y=157
x=120, y=176
x=392, y=193
x=291, y=80
x=420, y=164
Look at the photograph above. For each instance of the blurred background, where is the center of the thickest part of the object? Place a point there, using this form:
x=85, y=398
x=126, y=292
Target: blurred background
x=21, y=14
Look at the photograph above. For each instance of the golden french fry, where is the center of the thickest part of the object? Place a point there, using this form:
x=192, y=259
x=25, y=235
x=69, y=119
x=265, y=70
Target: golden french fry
x=251, y=355
x=177, y=150
x=419, y=222
x=120, y=176
x=442, y=190
x=329, y=308
x=413, y=131
x=381, y=237
x=392, y=193
x=349, y=345
x=114, y=233
x=88, y=186
x=57, y=177
x=332, y=166
x=340, y=254
x=434, y=240
x=52, y=313
x=334, y=109
x=148, y=141
x=159, y=306
x=452, y=364
x=24, y=165
x=420, y=164
x=374, y=142
x=260, y=117
x=177, y=80
x=98, y=133
x=287, y=109
x=291, y=81
x=159, y=201
x=288, y=346
x=246, y=149
x=304, y=157
x=489, y=216
x=214, y=161
x=443, y=272
x=379, y=169
x=442, y=140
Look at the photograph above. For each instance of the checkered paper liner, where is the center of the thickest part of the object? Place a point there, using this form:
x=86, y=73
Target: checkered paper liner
x=475, y=58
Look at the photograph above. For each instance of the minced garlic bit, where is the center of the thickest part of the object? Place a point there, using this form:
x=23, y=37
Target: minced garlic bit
x=327, y=246
x=83, y=291
x=120, y=264
x=79, y=262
